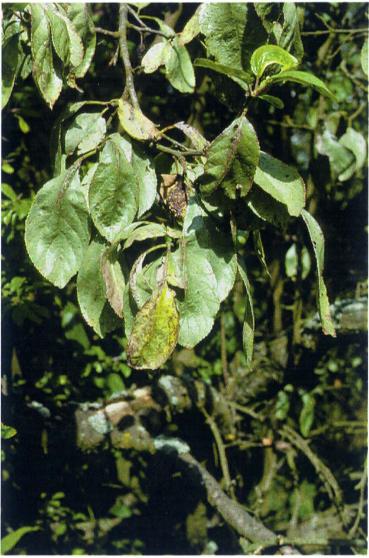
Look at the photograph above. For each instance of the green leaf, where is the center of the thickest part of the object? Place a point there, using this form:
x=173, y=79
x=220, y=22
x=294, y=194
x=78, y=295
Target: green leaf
x=274, y=101
x=306, y=417
x=155, y=57
x=155, y=331
x=66, y=41
x=282, y=182
x=355, y=142
x=237, y=75
x=341, y=159
x=304, y=78
x=179, y=69
x=113, y=192
x=114, y=279
x=11, y=54
x=80, y=16
x=57, y=229
x=12, y=539
x=291, y=262
x=7, y=432
x=46, y=77
x=364, y=57
x=288, y=35
x=56, y=147
x=267, y=208
x=249, y=319
x=317, y=240
x=200, y=303
x=151, y=230
x=267, y=55
x=216, y=246
x=231, y=160
x=84, y=133
x=91, y=291
x=197, y=139
x=191, y=29
x=143, y=169
x=135, y=123
x=223, y=25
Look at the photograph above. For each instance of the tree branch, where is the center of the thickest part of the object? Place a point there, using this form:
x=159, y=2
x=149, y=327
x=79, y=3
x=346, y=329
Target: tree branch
x=130, y=86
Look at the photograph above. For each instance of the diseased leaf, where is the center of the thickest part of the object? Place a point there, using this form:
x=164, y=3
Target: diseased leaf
x=232, y=159
x=66, y=41
x=143, y=280
x=57, y=229
x=113, y=193
x=91, y=291
x=135, y=123
x=267, y=55
x=12, y=539
x=178, y=68
x=304, y=78
x=198, y=141
x=85, y=133
x=191, y=29
x=155, y=57
x=155, y=331
x=317, y=240
x=114, y=279
x=45, y=75
x=249, y=320
x=282, y=182
x=143, y=169
x=80, y=16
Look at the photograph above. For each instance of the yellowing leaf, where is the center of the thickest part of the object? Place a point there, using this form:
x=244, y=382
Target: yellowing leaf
x=135, y=123
x=155, y=331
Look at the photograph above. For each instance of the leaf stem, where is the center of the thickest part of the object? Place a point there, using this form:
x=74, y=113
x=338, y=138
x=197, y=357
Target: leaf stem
x=130, y=86
x=189, y=153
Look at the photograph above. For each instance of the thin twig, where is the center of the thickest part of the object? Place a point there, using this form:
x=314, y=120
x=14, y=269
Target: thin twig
x=130, y=86
x=189, y=153
x=223, y=349
x=332, y=30
x=102, y=31
x=359, y=514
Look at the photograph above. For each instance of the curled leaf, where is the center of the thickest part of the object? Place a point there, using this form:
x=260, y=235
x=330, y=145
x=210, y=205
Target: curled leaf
x=135, y=123
x=155, y=331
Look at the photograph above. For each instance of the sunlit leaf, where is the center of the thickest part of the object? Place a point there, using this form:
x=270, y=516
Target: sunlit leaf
x=12, y=539
x=282, y=182
x=317, y=240
x=364, y=57
x=155, y=57
x=84, y=133
x=179, y=69
x=135, y=123
x=57, y=229
x=66, y=41
x=80, y=16
x=267, y=55
x=304, y=78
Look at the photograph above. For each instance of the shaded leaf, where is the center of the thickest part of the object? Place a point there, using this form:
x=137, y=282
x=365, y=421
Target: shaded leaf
x=355, y=142
x=57, y=229
x=364, y=57
x=317, y=240
x=191, y=29
x=85, y=133
x=341, y=159
x=56, y=147
x=179, y=69
x=274, y=101
x=11, y=54
x=289, y=36
x=151, y=230
x=267, y=208
x=114, y=279
x=91, y=291
x=267, y=55
x=155, y=331
x=197, y=139
x=237, y=75
x=249, y=320
x=45, y=75
x=135, y=123
x=231, y=160
x=306, y=417
x=113, y=192
x=282, y=182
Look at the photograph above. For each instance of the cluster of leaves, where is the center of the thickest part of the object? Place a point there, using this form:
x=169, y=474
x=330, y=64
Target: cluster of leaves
x=118, y=194
x=205, y=213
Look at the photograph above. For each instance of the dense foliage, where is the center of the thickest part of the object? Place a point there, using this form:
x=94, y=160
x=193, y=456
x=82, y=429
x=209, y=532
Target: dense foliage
x=168, y=170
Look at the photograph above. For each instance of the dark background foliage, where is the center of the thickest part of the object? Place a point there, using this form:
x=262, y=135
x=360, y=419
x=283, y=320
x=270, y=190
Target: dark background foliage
x=112, y=502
